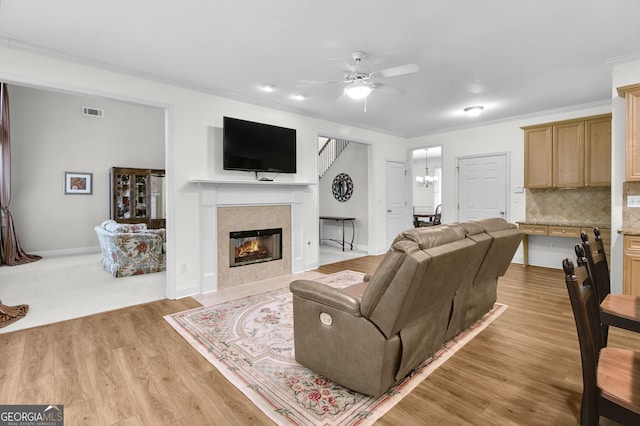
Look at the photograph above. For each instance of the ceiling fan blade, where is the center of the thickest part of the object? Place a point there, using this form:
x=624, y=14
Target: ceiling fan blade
x=342, y=99
x=307, y=83
x=388, y=90
x=344, y=64
x=395, y=71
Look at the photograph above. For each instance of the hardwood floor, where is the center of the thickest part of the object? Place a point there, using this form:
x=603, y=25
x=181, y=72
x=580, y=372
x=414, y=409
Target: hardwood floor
x=129, y=367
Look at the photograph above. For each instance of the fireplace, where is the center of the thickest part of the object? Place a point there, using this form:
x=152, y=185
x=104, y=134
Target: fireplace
x=231, y=219
x=257, y=246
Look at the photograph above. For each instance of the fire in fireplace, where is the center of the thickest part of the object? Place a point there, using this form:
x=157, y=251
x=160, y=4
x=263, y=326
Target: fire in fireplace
x=248, y=247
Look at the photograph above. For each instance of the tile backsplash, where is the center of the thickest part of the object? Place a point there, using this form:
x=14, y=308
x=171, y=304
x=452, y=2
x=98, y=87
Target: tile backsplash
x=574, y=206
x=630, y=215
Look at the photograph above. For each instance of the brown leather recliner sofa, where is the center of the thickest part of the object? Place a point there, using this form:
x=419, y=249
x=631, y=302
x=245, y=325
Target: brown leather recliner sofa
x=432, y=283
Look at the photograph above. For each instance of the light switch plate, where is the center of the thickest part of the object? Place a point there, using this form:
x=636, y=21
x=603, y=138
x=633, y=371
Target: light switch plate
x=633, y=200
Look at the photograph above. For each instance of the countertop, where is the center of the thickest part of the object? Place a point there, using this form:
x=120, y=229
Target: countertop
x=575, y=224
x=629, y=230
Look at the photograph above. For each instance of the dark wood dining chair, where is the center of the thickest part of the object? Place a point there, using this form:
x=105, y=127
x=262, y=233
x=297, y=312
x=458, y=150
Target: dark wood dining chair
x=437, y=215
x=434, y=219
x=618, y=310
x=610, y=376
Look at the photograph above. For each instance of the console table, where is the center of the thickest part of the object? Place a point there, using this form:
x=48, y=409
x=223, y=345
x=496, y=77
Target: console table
x=343, y=220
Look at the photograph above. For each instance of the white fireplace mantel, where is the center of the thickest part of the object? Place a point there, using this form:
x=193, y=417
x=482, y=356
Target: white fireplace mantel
x=218, y=182
x=216, y=193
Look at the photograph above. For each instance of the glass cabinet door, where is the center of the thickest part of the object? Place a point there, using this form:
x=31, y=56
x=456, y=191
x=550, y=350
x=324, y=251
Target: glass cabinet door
x=122, y=183
x=141, y=196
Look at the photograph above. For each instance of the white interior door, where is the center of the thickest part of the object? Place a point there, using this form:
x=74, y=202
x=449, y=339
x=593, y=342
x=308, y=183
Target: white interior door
x=482, y=187
x=396, y=200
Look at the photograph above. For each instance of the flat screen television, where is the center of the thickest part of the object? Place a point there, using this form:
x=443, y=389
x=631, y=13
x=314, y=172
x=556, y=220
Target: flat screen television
x=258, y=147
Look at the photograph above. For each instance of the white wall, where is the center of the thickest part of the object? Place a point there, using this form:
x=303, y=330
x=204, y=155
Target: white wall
x=192, y=120
x=191, y=151
x=353, y=162
x=505, y=137
x=49, y=136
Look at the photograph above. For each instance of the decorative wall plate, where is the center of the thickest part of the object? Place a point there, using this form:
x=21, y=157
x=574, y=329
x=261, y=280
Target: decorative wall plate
x=342, y=187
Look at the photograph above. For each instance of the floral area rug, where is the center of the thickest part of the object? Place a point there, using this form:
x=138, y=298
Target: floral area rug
x=250, y=341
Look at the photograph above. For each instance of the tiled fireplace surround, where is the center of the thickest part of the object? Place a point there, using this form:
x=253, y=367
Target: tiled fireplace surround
x=235, y=206
x=248, y=218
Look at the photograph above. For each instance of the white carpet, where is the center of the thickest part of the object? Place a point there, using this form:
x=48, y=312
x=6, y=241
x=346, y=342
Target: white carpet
x=67, y=287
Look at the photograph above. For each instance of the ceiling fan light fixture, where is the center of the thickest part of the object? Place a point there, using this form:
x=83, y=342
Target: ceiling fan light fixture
x=358, y=90
x=474, y=111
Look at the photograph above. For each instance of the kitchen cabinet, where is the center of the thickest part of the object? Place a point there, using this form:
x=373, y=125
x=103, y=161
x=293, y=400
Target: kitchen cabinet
x=537, y=157
x=568, y=154
x=597, y=151
x=631, y=265
x=632, y=144
x=136, y=196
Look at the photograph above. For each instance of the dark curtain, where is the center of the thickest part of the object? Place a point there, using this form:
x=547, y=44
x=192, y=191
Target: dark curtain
x=11, y=252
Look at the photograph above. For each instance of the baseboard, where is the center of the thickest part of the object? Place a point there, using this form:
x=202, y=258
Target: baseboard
x=183, y=292
x=312, y=266
x=67, y=252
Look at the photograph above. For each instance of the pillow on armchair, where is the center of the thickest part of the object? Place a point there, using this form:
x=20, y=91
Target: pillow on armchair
x=113, y=226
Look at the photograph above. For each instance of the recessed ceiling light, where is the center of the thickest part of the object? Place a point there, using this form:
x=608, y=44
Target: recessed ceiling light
x=473, y=111
x=267, y=87
x=299, y=97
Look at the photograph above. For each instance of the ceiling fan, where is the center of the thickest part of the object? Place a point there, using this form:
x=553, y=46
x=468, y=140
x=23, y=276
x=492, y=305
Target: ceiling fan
x=360, y=83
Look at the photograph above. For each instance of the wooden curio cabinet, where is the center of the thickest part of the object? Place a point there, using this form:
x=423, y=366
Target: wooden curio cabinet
x=137, y=196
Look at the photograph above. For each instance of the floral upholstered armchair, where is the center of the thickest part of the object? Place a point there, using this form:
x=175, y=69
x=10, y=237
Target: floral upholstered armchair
x=131, y=249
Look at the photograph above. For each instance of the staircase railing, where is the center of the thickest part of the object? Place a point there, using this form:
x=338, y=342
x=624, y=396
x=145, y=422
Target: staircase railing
x=329, y=153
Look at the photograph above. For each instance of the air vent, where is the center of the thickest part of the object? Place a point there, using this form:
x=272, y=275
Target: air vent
x=94, y=112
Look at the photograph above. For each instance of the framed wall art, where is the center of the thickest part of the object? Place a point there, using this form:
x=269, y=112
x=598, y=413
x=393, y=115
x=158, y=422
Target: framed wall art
x=78, y=183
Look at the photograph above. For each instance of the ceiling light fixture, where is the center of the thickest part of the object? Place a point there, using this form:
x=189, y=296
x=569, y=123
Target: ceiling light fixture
x=474, y=111
x=299, y=97
x=426, y=180
x=267, y=88
x=358, y=90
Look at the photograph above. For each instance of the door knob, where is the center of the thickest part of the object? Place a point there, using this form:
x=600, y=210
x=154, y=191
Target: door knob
x=389, y=211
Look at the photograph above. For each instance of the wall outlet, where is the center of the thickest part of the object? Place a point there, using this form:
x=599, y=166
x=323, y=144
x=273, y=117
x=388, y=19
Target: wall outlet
x=183, y=267
x=633, y=201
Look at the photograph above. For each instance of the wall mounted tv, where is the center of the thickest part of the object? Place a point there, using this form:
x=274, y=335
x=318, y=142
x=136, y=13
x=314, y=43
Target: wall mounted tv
x=258, y=147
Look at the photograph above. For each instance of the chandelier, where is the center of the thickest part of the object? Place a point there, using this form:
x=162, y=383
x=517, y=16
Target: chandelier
x=426, y=180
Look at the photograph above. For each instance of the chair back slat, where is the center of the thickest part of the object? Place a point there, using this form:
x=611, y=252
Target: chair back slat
x=437, y=217
x=586, y=314
x=597, y=263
